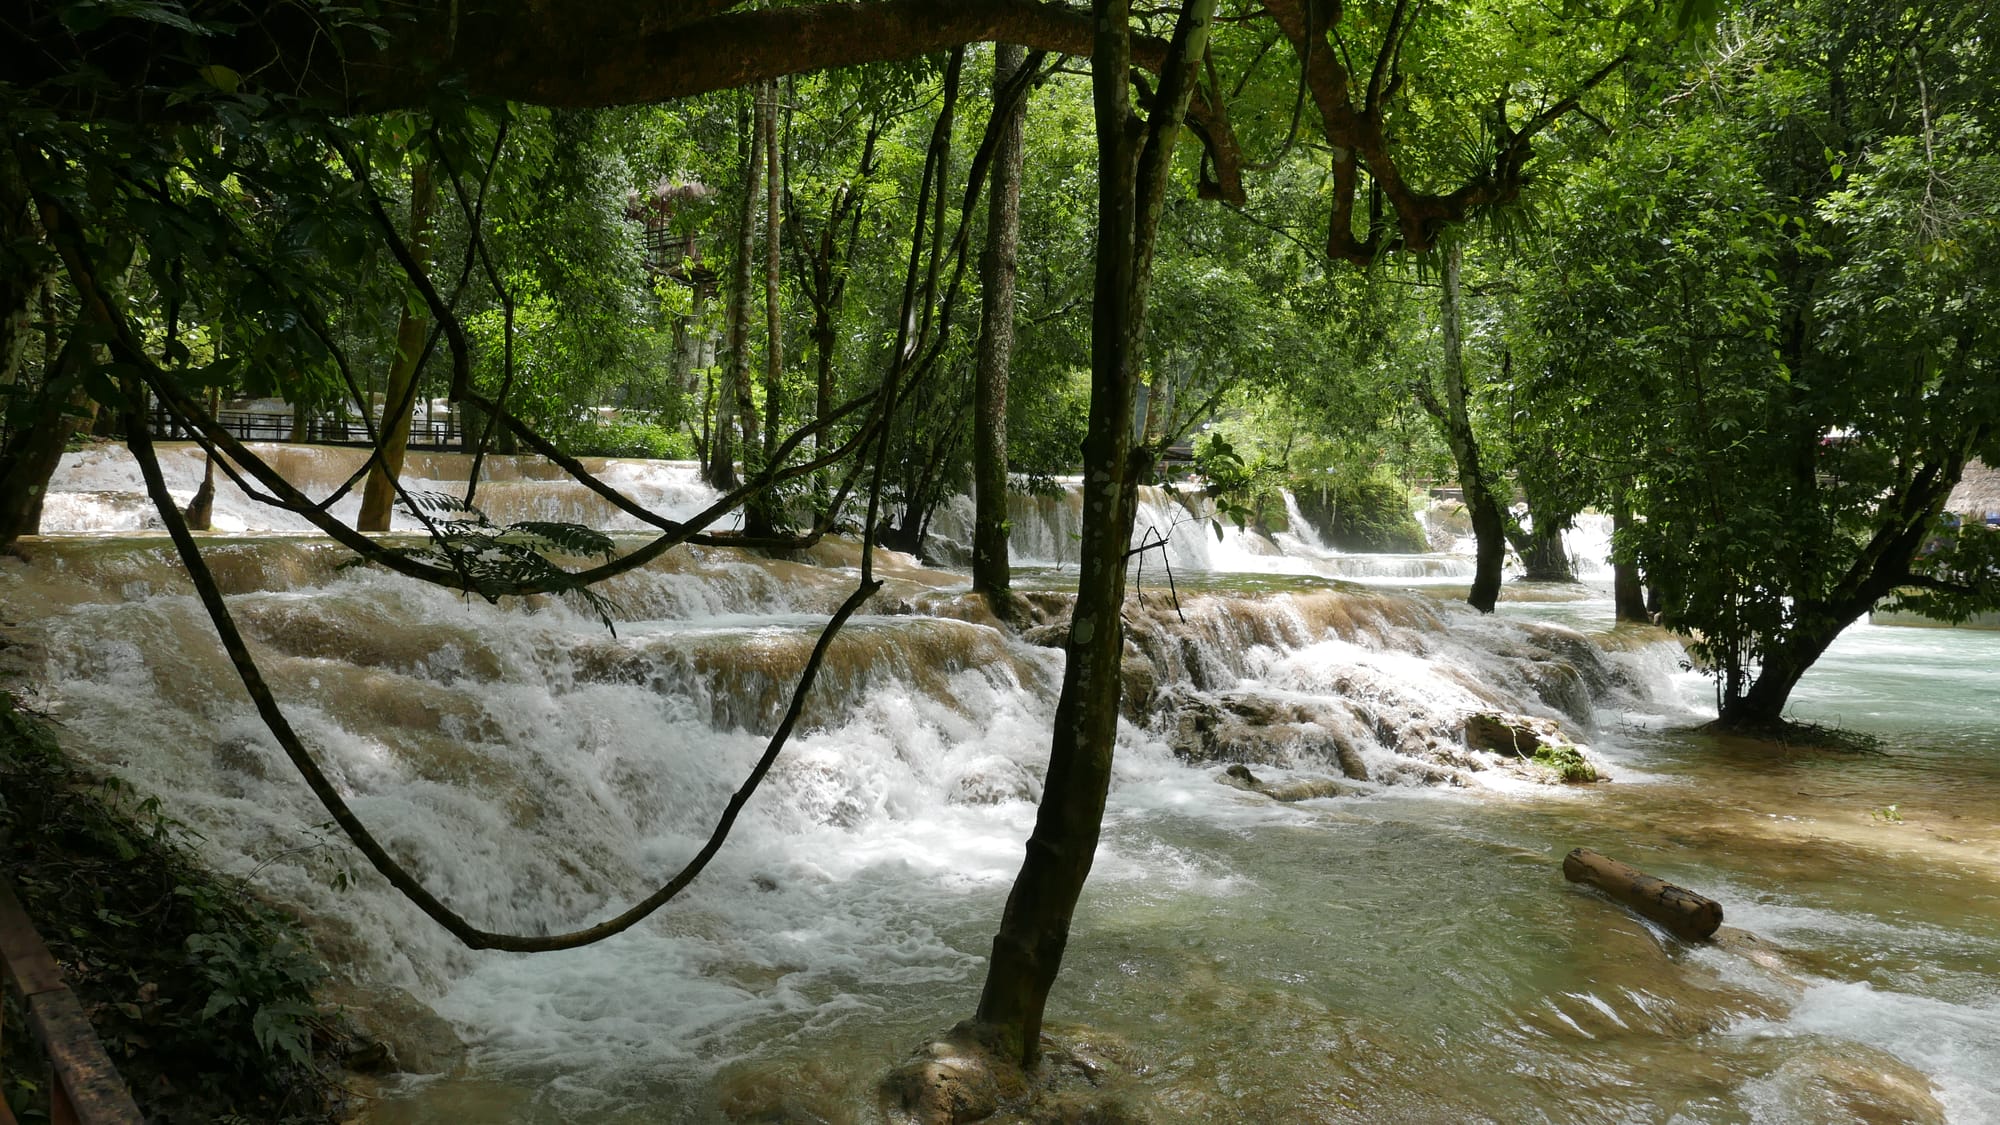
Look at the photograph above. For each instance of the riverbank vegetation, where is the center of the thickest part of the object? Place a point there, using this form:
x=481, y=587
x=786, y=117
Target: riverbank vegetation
x=1725, y=271
x=201, y=993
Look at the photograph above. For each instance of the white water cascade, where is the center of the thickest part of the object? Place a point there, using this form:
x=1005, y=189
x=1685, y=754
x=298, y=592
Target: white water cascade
x=1345, y=958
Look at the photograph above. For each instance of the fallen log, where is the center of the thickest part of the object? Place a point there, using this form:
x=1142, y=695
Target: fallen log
x=1684, y=913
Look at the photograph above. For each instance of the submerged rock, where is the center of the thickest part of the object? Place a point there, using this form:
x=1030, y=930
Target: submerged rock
x=783, y=1092
x=994, y=779
x=398, y=1032
x=1262, y=729
x=1533, y=747
x=1297, y=789
x=1517, y=736
x=963, y=1076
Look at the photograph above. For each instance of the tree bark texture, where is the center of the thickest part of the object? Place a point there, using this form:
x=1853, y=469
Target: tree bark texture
x=378, y=498
x=1133, y=170
x=1687, y=915
x=997, y=269
x=774, y=310
x=1489, y=522
x=29, y=460
x=575, y=55
x=1627, y=597
x=1544, y=558
x=733, y=392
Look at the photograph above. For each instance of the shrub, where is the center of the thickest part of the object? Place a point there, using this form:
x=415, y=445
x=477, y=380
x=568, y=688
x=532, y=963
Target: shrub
x=201, y=994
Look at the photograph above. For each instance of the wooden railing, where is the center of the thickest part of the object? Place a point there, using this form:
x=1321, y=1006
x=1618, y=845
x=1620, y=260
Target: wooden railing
x=85, y=1088
x=244, y=425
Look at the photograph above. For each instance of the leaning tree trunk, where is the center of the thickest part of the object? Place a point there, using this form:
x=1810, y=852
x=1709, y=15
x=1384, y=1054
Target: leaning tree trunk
x=1133, y=168
x=996, y=343
x=30, y=458
x=1884, y=563
x=1762, y=704
x=1489, y=522
x=378, y=499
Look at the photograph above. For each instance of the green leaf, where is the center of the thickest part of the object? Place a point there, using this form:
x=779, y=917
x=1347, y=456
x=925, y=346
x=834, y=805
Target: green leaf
x=221, y=77
x=217, y=1002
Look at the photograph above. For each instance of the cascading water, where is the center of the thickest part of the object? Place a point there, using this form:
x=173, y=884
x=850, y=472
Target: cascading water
x=98, y=490
x=1397, y=953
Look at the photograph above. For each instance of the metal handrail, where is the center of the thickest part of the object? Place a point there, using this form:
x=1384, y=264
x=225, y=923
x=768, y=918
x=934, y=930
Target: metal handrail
x=247, y=425
x=87, y=1089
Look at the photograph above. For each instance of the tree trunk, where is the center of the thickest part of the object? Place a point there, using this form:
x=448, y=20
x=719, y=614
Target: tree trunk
x=1489, y=535
x=1545, y=559
x=1028, y=950
x=200, y=514
x=29, y=460
x=1489, y=522
x=732, y=396
x=1884, y=563
x=996, y=343
x=774, y=351
x=759, y=516
x=378, y=499
x=1627, y=597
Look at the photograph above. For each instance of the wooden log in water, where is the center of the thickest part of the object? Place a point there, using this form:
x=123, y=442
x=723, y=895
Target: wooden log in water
x=1684, y=913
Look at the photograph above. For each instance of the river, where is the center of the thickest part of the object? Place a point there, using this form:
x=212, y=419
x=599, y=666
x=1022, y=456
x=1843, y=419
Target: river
x=1405, y=952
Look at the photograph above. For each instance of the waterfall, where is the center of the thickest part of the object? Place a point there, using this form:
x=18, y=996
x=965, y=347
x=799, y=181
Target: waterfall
x=538, y=772
x=98, y=489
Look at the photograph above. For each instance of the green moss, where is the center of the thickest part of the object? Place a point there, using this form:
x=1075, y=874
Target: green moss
x=1370, y=513
x=1567, y=761
x=201, y=994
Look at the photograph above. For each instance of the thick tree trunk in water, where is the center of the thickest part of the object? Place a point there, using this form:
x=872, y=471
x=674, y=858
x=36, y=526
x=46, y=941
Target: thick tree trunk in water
x=1544, y=559
x=1028, y=950
x=28, y=462
x=1489, y=534
x=732, y=396
x=1627, y=597
x=1489, y=522
x=378, y=499
x=26, y=468
x=1763, y=703
x=200, y=514
x=996, y=344
x=1882, y=565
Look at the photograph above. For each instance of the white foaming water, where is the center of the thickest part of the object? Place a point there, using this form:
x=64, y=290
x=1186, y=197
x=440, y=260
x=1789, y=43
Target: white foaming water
x=99, y=490
x=1956, y=1043
x=539, y=774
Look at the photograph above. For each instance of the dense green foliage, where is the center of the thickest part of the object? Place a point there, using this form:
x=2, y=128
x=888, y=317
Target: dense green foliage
x=1768, y=325
x=1361, y=513
x=1746, y=298
x=202, y=994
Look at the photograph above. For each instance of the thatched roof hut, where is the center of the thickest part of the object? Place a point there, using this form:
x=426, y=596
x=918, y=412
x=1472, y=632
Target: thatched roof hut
x=1978, y=492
